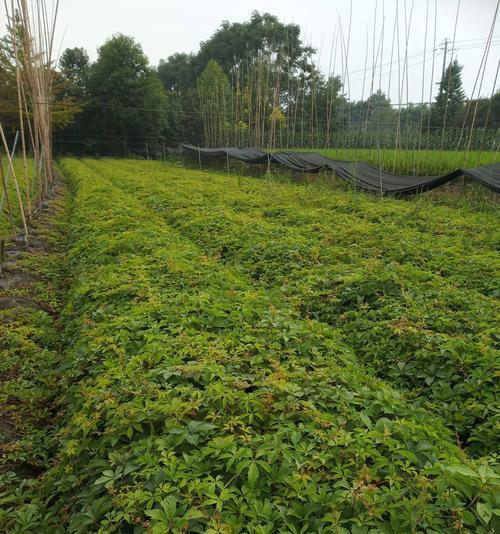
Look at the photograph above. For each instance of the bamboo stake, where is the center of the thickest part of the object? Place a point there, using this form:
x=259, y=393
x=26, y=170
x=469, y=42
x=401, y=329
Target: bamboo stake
x=489, y=111
x=431, y=86
x=21, y=119
x=6, y=193
x=482, y=67
x=449, y=76
x=16, y=184
x=479, y=91
x=423, y=79
x=14, y=146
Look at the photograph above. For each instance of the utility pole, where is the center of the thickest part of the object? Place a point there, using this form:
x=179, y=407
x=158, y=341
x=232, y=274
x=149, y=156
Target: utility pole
x=444, y=58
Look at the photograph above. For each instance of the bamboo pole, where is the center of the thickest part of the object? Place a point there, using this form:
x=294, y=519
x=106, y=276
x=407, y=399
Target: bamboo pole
x=21, y=120
x=14, y=146
x=37, y=40
x=6, y=193
x=431, y=86
x=489, y=111
x=16, y=184
x=423, y=79
x=449, y=76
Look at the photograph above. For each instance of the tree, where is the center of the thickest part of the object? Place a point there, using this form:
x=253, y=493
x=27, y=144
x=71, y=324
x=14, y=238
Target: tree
x=449, y=101
x=214, y=92
x=177, y=72
x=379, y=112
x=8, y=88
x=127, y=100
x=74, y=65
x=263, y=59
x=263, y=34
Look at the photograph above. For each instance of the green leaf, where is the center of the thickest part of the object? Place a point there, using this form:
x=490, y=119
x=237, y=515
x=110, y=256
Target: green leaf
x=484, y=512
x=158, y=515
x=366, y=420
x=462, y=470
x=194, y=513
x=253, y=474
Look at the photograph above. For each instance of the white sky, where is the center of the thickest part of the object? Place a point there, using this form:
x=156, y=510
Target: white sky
x=164, y=27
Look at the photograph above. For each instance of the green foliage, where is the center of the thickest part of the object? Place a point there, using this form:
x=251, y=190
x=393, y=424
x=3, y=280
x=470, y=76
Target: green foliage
x=403, y=296
x=451, y=95
x=210, y=381
x=5, y=229
x=30, y=399
x=268, y=72
x=8, y=87
x=263, y=34
x=214, y=93
x=200, y=399
x=128, y=96
x=122, y=97
x=177, y=73
x=75, y=70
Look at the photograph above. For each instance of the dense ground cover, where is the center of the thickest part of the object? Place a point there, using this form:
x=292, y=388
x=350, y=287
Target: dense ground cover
x=31, y=293
x=412, y=287
x=212, y=376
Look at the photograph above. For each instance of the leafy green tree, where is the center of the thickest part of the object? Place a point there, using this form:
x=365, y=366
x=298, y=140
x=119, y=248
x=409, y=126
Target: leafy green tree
x=214, y=92
x=487, y=113
x=74, y=65
x=414, y=114
x=127, y=99
x=379, y=111
x=449, y=101
x=177, y=72
x=73, y=77
x=179, y=80
x=263, y=34
x=8, y=91
x=263, y=58
x=319, y=111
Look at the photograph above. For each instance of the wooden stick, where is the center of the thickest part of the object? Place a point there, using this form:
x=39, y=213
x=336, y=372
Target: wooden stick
x=21, y=123
x=9, y=209
x=16, y=184
x=2, y=255
x=8, y=170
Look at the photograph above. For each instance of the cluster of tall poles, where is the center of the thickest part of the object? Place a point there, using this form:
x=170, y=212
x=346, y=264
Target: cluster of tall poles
x=267, y=102
x=31, y=28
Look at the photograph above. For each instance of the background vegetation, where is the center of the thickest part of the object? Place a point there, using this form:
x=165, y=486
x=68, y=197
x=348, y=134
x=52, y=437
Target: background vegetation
x=251, y=84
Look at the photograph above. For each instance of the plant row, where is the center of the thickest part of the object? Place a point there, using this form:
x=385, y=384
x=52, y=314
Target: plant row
x=412, y=292
x=197, y=400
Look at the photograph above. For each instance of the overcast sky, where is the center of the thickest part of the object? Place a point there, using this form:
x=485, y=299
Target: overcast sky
x=164, y=27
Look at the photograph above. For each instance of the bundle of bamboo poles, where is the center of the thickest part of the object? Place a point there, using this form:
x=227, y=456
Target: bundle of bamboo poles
x=31, y=27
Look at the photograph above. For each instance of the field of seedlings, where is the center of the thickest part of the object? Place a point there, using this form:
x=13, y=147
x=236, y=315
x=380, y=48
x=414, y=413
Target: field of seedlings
x=411, y=162
x=231, y=354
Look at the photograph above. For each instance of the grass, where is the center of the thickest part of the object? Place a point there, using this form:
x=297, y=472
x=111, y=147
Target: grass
x=245, y=355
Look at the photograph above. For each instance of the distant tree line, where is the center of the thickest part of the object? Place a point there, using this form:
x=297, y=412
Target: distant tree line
x=251, y=83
